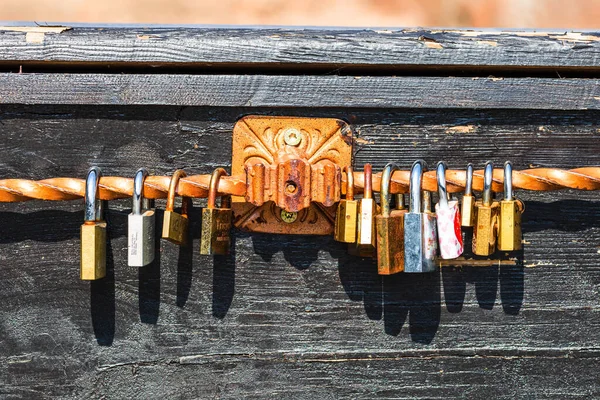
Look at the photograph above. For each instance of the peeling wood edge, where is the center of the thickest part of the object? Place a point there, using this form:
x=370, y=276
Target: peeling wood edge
x=35, y=29
x=279, y=45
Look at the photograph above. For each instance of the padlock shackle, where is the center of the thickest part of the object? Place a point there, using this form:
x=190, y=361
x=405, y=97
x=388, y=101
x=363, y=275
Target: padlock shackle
x=173, y=190
x=400, y=201
x=386, y=180
x=441, y=182
x=138, y=190
x=214, y=185
x=469, y=180
x=416, y=176
x=349, y=182
x=427, y=201
x=508, y=188
x=488, y=175
x=368, y=178
x=93, y=209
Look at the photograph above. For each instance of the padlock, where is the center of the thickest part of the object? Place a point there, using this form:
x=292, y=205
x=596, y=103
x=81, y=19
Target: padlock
x=468, y=201
x=365, y=236
x=486, y=211
x=216, y=222
x=140, y=229
x=420, y=232
x=175, y=225
x=450, y=240
x=93, y=230
x=346, y=216
x=390, y=228
x=509, y=226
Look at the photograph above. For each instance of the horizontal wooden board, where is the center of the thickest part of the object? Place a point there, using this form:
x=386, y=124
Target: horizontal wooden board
x=333, y=49
x=293, y=316
x=301, y=91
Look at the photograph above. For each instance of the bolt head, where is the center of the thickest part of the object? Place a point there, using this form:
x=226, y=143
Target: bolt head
x=289, y=217
x=292, y=137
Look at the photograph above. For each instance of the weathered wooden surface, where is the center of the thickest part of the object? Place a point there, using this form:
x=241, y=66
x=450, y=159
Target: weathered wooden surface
x=294, y=317
x=315, y=48
x=301, y=91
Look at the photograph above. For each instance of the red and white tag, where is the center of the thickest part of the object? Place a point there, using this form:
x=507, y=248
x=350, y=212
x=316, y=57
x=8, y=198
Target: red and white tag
x=449, y=233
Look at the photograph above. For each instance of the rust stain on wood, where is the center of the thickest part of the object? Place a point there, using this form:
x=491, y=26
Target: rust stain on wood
x=492, y=43
x=461, y=129
x=430, y=42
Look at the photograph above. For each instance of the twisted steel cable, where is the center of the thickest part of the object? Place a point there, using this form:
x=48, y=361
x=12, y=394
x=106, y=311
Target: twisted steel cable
x=112, y=187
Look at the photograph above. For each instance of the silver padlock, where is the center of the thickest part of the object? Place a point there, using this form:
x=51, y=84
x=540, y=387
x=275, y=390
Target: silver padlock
x=448, y=219
x=141, y=225
x=420, y=233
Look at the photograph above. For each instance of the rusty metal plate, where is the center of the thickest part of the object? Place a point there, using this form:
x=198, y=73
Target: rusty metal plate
x=293, y=167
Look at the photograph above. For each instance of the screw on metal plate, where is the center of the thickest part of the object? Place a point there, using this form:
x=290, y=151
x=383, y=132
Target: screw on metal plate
x=292, y=137
x=289, y=217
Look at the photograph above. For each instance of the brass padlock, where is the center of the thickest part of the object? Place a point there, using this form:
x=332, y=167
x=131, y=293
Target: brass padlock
x=216, y=222
x=93, y=230
x=509, y=228
x=175, y=225
x=140, y=225
x=366, y=237
x=467, y=211
x=346, y=215
x=390, y=228
x=487, y=210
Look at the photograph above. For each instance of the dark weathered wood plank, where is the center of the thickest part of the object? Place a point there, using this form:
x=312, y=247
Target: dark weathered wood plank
x=293, y=316
x=301, y=91
x=316, y=47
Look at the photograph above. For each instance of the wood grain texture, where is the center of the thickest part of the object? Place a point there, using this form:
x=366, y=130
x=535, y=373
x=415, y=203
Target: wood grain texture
x=311, y=47
x=293, y=317
x=301, y=91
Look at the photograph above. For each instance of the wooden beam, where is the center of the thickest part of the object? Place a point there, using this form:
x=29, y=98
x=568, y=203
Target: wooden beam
x=300, y=91
x=334, y=47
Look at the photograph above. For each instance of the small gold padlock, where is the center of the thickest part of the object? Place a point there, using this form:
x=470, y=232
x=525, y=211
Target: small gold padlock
x=467, y=211
x=390, y=228
x=487, y=210
x=93, y=230
x=175, y=225
x=366, y=236
x=509, y=229
x=346, y=215
x=216, y=222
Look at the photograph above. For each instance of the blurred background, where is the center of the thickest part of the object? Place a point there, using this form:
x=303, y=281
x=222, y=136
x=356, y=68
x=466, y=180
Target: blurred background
x=583, y=14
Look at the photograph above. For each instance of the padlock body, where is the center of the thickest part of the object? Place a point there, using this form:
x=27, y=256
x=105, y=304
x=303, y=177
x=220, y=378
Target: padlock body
x=93, y=251
x=485, y=230
x=420, y=242
x=390, y=242
x=215, y=236
x=467, y=213
x=140, y=239
x=366, y=223
x=346, y=221
x=509, y=226
x=175, y=228
x=449, y=232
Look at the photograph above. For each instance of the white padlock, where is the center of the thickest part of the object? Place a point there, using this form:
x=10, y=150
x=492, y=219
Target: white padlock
x=448, y=219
